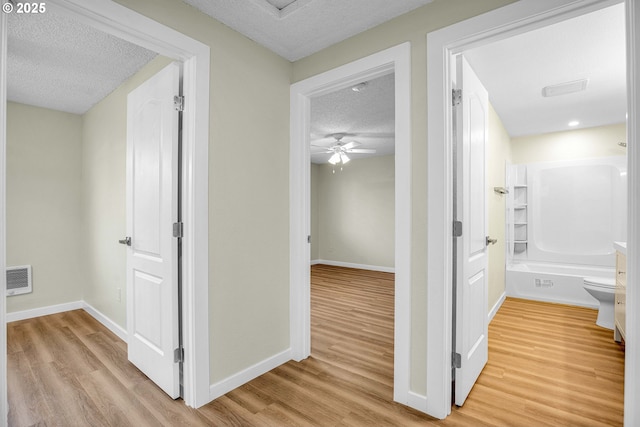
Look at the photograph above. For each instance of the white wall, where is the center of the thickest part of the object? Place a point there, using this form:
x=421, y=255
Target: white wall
x=355, y=212
x=43, y=204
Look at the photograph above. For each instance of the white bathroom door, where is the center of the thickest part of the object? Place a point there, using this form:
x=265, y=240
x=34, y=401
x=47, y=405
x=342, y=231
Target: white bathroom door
x=471, y=330
x=152, y=209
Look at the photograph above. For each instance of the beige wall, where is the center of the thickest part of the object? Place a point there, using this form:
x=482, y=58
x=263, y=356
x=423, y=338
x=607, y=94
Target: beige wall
x=498, y=153
x=315, y=232
x=599, y=141
x=104, y=142
x=356, y=212
x=248, y=193
x=412, y=27
x=43, y=203
x=249, y=179
x=248, y=190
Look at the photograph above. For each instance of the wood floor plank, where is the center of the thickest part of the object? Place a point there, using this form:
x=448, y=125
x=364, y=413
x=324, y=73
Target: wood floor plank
x=25, y=388
x=549, y=365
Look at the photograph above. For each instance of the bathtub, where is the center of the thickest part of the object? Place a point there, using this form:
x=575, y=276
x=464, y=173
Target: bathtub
x=553, y=282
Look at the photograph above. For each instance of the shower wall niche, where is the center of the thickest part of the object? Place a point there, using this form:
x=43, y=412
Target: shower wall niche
x=517, y=210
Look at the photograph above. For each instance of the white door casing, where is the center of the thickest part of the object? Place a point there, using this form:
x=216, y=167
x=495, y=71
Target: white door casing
x=152, y=209
x=396, y=59
x=122, y=22
x=513, y=19
x=471, y=249
x=119, y=21
x=3, y=146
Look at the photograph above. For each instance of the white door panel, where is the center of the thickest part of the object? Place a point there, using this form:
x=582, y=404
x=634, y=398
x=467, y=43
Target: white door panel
x=471, y=249
x=152, y=185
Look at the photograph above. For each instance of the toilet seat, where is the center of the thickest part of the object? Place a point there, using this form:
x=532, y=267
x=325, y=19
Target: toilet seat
x=600, y=282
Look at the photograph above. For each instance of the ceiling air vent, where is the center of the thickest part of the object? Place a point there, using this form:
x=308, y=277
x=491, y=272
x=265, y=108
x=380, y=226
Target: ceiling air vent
x=565, y=88
x=18, y=280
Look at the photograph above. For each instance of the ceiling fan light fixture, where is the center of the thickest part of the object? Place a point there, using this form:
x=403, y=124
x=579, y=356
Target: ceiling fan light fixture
x=345, y=159
x=335, y=159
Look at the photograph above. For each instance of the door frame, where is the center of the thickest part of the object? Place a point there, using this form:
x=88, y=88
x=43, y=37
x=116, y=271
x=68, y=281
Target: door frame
x=516, y=18
x=4, y=409
x=395, y=59
x=119, y=21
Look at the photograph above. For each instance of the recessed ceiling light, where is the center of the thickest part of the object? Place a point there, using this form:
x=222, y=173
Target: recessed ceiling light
x=574, y=123
x=565, y=88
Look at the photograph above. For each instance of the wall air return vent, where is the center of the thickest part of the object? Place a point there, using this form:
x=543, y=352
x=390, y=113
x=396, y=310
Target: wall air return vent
x=19, y=280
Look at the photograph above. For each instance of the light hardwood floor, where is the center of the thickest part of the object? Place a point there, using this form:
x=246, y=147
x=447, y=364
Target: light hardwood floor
x=548, y=365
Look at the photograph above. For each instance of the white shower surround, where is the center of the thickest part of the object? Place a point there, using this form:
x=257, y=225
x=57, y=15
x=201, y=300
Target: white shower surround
x=575, y=209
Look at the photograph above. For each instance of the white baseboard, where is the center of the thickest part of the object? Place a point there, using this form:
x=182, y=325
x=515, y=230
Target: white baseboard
x=106, y=322
x=44, y=311
x=417, y=401
x=225, y=386
x=353, y=265
x=497, y=306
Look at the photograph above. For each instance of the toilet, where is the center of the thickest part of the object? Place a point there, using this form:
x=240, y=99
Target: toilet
x=603, y=289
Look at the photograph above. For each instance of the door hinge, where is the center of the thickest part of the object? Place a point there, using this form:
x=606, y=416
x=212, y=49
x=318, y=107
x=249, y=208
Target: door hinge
x=309, y=238
x=456, y=97
x=457, y=228
x=178, y=102
x=178, y=229
x=178, y=355
x=456, y=360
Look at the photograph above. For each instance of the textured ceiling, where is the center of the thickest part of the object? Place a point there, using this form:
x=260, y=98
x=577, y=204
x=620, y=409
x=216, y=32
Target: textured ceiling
x=280, y=4
x=55, y=62
x=515, y=70
x=295, y=29
x=367, y=117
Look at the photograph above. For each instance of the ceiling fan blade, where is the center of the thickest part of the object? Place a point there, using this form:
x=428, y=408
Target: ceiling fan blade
x=320, y=148
x=350, y=145
x=362, y=150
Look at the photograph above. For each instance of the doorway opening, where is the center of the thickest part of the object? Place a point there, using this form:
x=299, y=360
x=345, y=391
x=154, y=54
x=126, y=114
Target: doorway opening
x=397, y=61
x=442, y=45
x=352, y=227
x=536, y=154
x=121, y=22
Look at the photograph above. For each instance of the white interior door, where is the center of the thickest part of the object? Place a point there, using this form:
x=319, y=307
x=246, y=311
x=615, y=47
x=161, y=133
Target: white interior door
x=471, y=330
x=152, y=209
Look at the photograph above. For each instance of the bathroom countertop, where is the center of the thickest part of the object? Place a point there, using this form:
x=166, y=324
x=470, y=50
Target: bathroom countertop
x=620, y=247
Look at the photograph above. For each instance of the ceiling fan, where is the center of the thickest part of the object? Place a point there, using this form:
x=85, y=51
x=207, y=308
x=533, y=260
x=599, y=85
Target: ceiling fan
x=340, y=149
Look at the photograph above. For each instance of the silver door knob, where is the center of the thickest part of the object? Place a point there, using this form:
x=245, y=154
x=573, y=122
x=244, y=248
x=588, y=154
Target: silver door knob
x=491, y=241
x=125, y=241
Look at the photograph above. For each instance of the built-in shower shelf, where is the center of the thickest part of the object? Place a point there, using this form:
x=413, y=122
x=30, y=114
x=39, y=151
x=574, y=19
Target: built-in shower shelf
x=520, y=242
x=519, y=207
x=519, y=186
x=519, y=223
